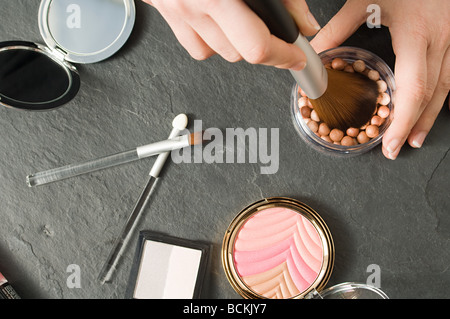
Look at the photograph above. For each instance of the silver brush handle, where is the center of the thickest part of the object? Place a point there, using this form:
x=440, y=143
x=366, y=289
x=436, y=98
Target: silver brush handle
x=313, y=79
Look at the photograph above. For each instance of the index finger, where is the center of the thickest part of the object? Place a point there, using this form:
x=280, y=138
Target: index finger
x=351, y=16
x=251, y=37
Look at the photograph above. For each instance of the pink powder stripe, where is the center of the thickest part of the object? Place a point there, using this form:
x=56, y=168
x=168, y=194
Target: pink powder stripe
x=297, y=273
x=312, y=232
x=252, y=229
x=307, y=273
x=276, y=236
x=270, y=216
x=311, y=253
x=254, y=256
x=250, y=268
x=263, y=242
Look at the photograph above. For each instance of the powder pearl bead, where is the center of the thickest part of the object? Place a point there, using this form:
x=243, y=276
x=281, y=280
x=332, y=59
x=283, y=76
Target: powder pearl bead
x=347, y=141
x=305, y=112
x=383, y=112
x=348, y=68
x=372, y=131
x=359, y=66
x=324, y=130
x=313, y=126
x=384, y=99
x=382, y=86
x=315, y=116
x=303, y=101
x=352, y=132
x=336, y=135
x=373, y=75
x=363, y=138
x=377, y=120
x=338, y=64
x=326, y=138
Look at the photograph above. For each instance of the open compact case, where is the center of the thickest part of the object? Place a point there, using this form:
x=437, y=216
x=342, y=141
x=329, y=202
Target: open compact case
x=38, y=77
x=280, y=248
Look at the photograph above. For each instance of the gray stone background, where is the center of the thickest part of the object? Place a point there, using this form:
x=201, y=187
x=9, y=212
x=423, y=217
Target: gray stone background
x=394, y=214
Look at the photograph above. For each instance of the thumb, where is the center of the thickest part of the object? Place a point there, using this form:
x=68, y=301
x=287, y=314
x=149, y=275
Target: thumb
x=351, y=16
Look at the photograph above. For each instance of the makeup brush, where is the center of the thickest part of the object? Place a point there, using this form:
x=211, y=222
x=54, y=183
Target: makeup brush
x=341, y=99
x=179, y=123
x=116, y=159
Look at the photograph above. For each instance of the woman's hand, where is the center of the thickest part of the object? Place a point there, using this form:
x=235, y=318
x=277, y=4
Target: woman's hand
x=420, y=31
x=229, y=28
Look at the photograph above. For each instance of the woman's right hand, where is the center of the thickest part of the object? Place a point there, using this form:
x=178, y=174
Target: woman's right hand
x=230, y=29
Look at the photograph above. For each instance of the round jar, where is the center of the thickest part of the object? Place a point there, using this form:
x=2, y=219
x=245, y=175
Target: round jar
x=349, y=55
x=277, y=248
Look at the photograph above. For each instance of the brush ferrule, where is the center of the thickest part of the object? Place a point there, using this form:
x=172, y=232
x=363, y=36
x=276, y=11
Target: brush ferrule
x=313, y=79
x=163, y=146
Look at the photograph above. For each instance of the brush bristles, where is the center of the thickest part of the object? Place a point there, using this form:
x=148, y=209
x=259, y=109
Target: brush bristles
x=349, y=101
x=196, y=138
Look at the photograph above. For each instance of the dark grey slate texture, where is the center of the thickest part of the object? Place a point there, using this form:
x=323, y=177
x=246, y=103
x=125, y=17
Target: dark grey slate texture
x=395, y=214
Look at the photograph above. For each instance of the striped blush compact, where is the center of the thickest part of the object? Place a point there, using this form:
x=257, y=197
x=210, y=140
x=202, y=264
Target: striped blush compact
x=278, y=248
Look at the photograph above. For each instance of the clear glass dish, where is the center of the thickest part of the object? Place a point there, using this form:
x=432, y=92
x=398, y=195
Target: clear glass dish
x=350, y=55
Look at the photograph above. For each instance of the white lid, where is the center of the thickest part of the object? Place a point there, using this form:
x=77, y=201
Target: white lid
x=86, y=31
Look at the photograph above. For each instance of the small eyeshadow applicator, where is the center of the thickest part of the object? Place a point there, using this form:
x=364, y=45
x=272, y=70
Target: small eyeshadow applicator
x=179, y=123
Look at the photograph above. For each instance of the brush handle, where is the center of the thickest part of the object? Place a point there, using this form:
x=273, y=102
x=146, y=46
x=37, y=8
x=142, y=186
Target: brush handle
x=73, y=170
x=313, y=79
x=122, y=241
x=90, y=166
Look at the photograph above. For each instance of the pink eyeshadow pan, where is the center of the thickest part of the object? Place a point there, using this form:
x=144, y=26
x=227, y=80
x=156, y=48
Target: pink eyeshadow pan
x=278, y=253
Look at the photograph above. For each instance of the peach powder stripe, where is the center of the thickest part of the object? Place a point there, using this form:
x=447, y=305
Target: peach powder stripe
x=278, y=253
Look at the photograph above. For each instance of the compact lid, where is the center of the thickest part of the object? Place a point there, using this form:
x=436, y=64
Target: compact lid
x=37, y=77
x=349, y=290
x=86, y=31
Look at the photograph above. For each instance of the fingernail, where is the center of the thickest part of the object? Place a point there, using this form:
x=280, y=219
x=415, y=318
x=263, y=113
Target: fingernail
x=392, y=156
x=393, y=149
x=419, y=139
x=300, y=66
x=393, y=146
x=313, y=21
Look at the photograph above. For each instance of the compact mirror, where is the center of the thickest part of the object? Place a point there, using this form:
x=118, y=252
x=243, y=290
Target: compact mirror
x=32, y=79
x=38, y=77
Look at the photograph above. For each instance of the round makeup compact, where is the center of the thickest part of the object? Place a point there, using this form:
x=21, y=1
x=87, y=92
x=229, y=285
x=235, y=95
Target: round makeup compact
x=41, y=77
x=280, y=248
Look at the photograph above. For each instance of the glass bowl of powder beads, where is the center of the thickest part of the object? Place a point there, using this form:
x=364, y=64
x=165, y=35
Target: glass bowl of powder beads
x=354, y=140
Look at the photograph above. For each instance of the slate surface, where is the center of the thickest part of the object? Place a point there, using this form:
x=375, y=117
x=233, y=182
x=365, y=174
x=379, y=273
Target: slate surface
x=392, y=214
